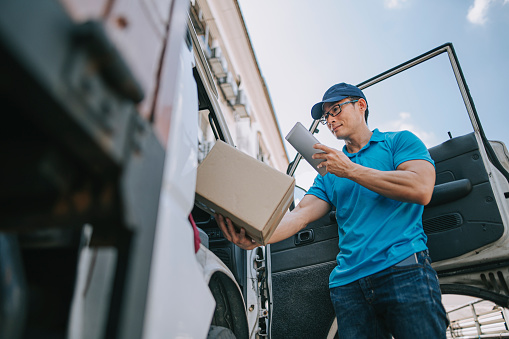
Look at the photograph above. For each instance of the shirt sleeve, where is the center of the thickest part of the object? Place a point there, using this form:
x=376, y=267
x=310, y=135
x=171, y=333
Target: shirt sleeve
x=407, y=146
x=319, y=188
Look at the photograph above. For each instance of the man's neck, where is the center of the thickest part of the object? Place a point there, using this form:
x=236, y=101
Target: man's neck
x=357, y=141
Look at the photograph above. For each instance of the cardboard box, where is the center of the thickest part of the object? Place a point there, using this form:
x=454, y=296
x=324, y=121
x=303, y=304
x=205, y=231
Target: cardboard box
x=252, y=194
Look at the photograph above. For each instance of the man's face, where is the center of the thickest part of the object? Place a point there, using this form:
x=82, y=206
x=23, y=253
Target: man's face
x=345, y=123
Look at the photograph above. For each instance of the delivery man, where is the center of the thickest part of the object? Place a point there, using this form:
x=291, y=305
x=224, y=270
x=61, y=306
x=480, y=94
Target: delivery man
x=383, y=283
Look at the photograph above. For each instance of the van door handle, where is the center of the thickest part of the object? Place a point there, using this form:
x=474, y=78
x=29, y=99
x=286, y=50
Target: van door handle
x=304, y=237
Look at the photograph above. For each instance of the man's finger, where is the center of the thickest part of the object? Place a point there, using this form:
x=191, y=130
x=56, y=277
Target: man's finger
x=322, y=147
x=243, y=235
x=232, y=231
x=250, y=243
x=230, y=225
x=319, y=156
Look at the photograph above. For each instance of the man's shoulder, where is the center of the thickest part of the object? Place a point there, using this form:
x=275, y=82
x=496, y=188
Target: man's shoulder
x=399, y=136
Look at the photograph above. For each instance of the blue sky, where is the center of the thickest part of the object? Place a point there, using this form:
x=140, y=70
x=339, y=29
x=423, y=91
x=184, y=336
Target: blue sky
x=303, y=47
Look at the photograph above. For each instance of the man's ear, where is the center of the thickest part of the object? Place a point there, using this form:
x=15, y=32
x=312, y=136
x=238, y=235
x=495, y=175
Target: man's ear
x=363, y=105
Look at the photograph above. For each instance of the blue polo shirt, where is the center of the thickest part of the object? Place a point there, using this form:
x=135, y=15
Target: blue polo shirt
x=375, y=232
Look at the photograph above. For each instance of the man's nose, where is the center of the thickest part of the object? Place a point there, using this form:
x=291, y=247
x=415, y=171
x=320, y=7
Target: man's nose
x=331, y=120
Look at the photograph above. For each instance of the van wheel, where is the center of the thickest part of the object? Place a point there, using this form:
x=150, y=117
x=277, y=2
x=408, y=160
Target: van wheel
x=219, y=332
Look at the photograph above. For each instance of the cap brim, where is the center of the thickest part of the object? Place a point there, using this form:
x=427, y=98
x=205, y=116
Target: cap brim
x=316, y=110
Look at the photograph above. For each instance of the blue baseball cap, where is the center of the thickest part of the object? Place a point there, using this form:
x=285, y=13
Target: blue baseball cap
x=336, y=93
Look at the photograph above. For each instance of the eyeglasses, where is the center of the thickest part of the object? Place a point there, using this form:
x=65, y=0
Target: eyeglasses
x=335, y=110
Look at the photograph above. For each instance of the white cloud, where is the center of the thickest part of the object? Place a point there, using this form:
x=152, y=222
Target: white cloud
x=477, y=13
x=405, y=123
x=396, y=3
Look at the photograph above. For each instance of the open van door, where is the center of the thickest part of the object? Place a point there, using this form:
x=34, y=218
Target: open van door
x=466, y=223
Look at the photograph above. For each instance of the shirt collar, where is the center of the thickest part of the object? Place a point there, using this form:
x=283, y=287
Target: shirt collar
x=377, y=136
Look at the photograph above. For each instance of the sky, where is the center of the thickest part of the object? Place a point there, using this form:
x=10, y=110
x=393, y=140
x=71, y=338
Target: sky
x=303, y=47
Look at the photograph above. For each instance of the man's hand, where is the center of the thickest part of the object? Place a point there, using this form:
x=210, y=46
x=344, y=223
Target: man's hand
x=240, y=239
x=336, y=162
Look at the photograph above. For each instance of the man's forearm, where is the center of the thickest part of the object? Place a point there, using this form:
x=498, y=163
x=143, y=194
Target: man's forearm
x=401, y=185
x=289, y=225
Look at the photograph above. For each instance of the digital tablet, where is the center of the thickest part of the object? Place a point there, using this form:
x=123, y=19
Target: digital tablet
x=302, y=140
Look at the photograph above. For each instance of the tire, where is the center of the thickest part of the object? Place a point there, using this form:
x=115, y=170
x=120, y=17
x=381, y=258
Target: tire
x=219, y=332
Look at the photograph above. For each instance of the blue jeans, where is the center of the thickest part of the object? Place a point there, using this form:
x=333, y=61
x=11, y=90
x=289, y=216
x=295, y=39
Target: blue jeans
x=402, y=301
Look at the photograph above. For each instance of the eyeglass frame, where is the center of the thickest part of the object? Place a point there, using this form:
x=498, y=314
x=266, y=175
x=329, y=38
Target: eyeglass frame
x=325, y=116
